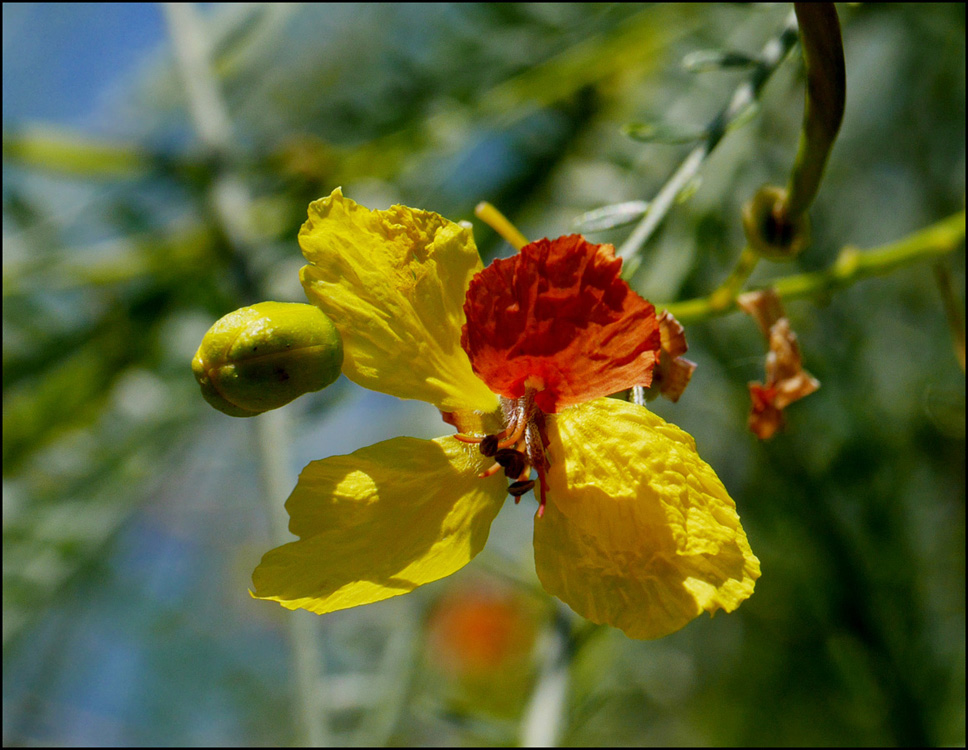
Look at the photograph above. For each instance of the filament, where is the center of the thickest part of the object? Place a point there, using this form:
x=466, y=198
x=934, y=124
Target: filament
x=500, y=224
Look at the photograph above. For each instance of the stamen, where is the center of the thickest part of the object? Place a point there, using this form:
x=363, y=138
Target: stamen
x=513, y=461
x=485, y=439
x=500, y=224
x=519, y=488
x=521, y=418
x=536, y=440
x=489, y=445
x=519, y=447
x=544, y=483
x=490, y=472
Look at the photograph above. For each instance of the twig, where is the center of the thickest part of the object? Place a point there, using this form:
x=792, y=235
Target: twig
x=775, y=220
x=745, y=95
x=851, y=266
x=545, y=713
x=727, y=291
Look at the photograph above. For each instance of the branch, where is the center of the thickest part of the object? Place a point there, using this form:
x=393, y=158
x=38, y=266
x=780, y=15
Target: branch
x=851, y=266
x=746, y=93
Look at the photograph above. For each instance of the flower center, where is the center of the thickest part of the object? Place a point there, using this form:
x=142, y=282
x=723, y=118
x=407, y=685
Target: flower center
x=549, y=328
x=519, y=448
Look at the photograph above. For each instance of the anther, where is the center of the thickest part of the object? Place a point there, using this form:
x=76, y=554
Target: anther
x=489, y=445
x=513, y=461
x=519, y=488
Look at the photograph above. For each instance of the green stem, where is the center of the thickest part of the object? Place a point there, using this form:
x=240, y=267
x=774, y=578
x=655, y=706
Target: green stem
x=723, y=296
x=851, y=266
x=544, y=717
x=746, y=94
x=271, y=437
x=823, y=55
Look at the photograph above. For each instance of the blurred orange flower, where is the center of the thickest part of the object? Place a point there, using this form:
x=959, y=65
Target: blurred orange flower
x=479, y=630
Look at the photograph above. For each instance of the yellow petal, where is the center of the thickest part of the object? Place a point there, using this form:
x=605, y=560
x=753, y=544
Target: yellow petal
x=393, y=282
x=381, y=522
x=639, y=532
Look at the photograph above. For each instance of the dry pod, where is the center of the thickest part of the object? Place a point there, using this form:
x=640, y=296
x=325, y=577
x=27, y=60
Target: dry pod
x=261, y=357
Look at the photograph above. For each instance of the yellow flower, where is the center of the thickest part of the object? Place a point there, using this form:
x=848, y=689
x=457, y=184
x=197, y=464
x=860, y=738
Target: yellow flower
x=638, y=533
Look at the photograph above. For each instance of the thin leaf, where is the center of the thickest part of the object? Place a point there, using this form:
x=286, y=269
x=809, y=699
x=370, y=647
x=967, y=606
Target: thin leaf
x=71, y=153
x=705, y=60
x=609, y=217
x=660, y=132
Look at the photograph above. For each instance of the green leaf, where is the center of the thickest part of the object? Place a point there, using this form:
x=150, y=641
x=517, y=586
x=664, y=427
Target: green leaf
x=660, y=132
x=66, y=151
x=702, y=61
x=609, y=217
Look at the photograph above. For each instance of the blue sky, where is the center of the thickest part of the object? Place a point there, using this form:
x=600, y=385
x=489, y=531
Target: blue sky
x=62, y=62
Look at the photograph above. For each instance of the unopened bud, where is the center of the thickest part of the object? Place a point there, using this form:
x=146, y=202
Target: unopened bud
x=261, y=357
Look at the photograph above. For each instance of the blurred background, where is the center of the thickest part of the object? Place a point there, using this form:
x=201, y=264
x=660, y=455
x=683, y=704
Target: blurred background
x=133, y=514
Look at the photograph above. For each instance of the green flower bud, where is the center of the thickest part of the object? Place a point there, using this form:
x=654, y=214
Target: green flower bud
x=262, y=357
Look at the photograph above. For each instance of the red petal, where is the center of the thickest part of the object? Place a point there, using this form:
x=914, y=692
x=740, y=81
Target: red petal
x=558, y=316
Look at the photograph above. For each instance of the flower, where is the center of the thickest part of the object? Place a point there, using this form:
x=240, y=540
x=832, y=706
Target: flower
x=786, y=380
x=638, y=532
x=479, y=641
x=481, y=630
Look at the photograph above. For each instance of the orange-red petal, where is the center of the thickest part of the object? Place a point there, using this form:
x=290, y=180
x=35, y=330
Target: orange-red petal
x=558, y=318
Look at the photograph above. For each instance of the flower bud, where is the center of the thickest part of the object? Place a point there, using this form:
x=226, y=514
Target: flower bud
x=261, y=357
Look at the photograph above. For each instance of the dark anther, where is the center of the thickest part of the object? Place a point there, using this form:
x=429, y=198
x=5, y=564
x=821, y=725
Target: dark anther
x=512, y=460
x=489, y=445
x=519, y=488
